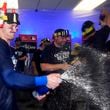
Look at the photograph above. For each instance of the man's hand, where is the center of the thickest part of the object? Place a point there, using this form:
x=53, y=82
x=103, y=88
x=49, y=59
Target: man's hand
x=65, y=66
x=54, y=80
x=40, y=97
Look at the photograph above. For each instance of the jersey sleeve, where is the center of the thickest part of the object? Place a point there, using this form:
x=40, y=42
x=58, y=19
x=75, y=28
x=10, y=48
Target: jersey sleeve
x=15, y=79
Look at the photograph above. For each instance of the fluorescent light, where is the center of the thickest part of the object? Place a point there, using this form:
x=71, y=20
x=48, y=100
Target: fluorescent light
x=88, y=4
x=11, y=4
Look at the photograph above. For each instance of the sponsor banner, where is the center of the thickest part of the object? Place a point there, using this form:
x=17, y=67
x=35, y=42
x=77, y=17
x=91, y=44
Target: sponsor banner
x=29, y=42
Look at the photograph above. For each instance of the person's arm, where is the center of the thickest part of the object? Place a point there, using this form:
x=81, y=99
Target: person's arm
x=17, y=80
x=14, y=79
x=22, y=58
x=42, y=91
x=47, y=57
x=35, y=72
x=53, y=67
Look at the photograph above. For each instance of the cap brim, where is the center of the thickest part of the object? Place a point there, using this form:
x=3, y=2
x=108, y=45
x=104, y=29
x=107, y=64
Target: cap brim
x=9, y=22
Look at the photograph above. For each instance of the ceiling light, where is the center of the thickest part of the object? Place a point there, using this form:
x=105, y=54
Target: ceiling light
x=88, y=5
x=11, y=4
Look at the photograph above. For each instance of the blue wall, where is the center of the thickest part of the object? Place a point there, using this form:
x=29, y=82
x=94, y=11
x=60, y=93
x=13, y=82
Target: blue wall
x=43, y=23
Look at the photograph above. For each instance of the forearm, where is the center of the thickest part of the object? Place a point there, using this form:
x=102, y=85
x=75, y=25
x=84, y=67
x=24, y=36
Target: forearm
x=34, y=68
x=18, y=80
x=22, y=58
x=50, y=67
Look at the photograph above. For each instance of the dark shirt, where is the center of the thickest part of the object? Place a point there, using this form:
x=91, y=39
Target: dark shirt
x=55, y=55
x=19, y=53
x=36, y=58
x=10, y=79
x=101, y=37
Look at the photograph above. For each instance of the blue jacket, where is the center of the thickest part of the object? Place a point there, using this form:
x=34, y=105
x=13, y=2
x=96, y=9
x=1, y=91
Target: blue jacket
x=10, y=79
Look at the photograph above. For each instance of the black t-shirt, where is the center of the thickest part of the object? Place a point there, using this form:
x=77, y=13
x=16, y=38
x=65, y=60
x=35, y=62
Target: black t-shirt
x=36, y=58
x=19, y=53
x=101, y=37
x=12, y=51
x=55, y=55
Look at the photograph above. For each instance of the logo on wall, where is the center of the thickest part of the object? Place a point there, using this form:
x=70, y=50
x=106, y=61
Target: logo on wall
x=29, y=42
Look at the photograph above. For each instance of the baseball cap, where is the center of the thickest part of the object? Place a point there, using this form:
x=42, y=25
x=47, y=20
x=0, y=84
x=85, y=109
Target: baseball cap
x=45, y=41
x=87, y=29
x=67, y=33
x=59, y=32
x=12, y=18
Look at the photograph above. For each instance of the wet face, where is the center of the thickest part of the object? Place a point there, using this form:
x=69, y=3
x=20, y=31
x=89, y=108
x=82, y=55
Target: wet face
x=9, y=30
